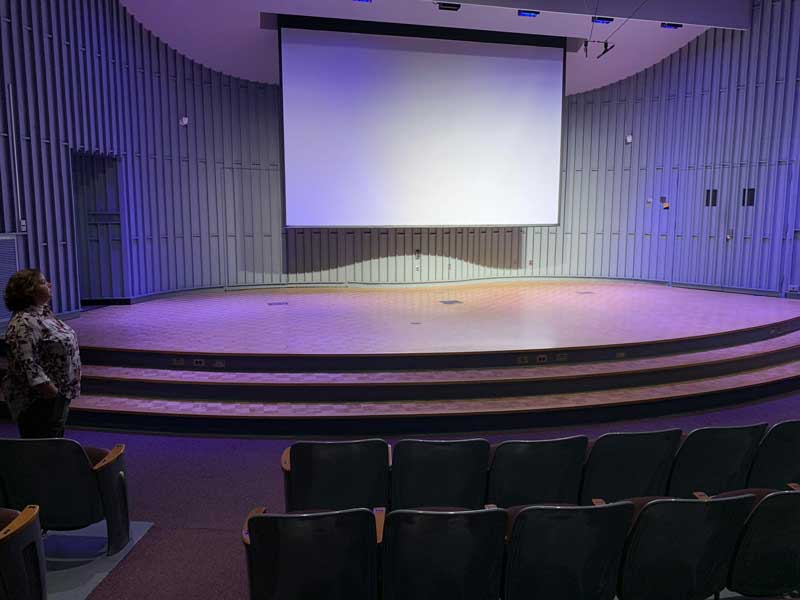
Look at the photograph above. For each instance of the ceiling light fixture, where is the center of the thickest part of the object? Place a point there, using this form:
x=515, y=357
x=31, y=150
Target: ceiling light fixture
x=453, y=6
x=671, y=25
x=606, y=49
x=527, y=13
x=602, y=20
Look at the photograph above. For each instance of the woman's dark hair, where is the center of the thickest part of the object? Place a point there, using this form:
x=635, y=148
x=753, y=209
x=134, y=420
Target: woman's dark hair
x=21, y=289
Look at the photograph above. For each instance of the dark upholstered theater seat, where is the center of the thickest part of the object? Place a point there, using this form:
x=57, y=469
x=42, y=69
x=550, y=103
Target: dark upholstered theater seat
x=73, y=486
x=767, y=557
x=681, y=549
x=439, y=473
x=777, y=460
x=336, y=475
x=321, y=555
x=569, y=553
x=22, y=561
x=714, y=460
x=443, y=555
x=628, y=465
x=532, y=472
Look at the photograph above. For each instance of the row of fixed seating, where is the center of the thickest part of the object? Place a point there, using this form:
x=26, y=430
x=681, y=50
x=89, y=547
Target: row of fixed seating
x=469, y=474
x=22, y=561
x=645, y=549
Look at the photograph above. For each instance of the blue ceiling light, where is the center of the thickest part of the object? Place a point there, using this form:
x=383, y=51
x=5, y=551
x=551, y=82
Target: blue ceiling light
x=527, y=13
x=671, y=25
x=602, y=20
x=366, y=1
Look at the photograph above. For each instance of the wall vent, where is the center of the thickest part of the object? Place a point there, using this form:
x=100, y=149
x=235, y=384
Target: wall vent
x=9, y=264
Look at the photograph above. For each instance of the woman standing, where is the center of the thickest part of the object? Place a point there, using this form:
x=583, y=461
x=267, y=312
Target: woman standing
x=44, y=365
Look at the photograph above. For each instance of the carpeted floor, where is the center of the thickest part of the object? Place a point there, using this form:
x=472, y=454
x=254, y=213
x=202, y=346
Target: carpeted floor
x=198, y=490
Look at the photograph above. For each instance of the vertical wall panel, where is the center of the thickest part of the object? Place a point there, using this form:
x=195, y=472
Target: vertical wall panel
x=201, y=204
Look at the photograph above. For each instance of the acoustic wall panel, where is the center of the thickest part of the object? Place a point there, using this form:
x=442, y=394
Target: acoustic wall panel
x=201, y=204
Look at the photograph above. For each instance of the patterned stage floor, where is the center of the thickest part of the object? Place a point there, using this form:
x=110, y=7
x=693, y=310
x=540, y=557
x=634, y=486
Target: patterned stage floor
x=430, y=319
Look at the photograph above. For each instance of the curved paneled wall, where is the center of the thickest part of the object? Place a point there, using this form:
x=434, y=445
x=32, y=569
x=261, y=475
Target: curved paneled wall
x=123, y=196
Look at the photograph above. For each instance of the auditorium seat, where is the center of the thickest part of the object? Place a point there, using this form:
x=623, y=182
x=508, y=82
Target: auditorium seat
x=569, y=553
x=336, y=475
x=681, y=549
x=431, y=555
x=714, y=460
x=73, y=486
x=439, y=473
x=777, y=460
x=531, y=472
x=628, y=465
x=22, y=561
x=766, y=561
x=329, y=555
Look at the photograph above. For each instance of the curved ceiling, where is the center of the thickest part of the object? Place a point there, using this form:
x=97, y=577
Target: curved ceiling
x=227, y=36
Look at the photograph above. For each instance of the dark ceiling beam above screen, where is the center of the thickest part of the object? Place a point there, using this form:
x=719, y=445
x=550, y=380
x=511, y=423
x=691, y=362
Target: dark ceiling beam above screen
x=737, y=13
x=271, y=21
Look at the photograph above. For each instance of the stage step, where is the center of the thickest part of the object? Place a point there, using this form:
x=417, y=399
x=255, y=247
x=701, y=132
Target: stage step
x=314, y=362
x=102, y=409
x=438, y=384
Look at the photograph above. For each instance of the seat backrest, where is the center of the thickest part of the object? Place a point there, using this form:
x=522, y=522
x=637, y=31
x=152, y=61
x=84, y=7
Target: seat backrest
x=443, y=555
x=55, y=474
x=338, y=475
x=777, y=460
x=530, y=472
x=628, y=465
x=681, y=548
x=318, y=555
x=22, y=560
x=767, y=557
x=439, y=473
x=566, y=552
x=714, y=460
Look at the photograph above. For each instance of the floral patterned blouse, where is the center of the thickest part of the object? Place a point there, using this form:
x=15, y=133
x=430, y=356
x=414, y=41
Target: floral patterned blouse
x=40, y=348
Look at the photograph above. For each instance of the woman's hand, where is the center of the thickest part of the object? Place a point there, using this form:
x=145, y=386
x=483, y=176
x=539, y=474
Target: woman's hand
x=47, y=390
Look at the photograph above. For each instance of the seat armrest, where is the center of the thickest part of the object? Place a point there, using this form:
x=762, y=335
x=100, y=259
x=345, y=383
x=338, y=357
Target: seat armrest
x=598, y=502
x=112, y=485
x=489, y=506
x=110, y=458
x=380, y=518
x=258, y=510
x=286, y=459
x=793, y=486
x=700, y=495
x=23, y=519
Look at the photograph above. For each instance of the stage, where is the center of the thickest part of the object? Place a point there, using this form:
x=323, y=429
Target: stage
x=305, y=359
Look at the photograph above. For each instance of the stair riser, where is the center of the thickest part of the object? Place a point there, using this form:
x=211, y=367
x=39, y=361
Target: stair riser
x=368, y=392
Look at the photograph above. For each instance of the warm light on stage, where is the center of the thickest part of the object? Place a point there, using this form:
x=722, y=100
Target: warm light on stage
x=522, y=348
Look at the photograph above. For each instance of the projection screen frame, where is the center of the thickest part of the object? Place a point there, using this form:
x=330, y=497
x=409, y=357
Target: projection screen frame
x=417, y=31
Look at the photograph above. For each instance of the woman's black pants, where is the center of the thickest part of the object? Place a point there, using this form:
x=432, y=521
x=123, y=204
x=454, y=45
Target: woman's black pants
x=44, y=418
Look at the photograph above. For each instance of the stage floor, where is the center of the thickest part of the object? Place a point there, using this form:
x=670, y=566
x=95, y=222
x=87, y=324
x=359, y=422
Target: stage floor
x=481, y=317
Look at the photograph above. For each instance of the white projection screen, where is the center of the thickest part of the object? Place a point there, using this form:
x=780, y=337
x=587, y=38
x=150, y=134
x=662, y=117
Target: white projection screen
x=397, y=131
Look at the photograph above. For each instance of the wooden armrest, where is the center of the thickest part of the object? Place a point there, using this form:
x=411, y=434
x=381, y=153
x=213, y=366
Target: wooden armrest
x=489, y=506
x=286, y=459
x=380, y=518
x=109, y=458
x=793, y=486
x=700, y=495
x=258, y=510
x=598, y=502
x=28, y=514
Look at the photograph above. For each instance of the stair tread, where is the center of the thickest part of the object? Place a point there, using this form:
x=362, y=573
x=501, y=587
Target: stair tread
x=446, y=376
x=416, y=408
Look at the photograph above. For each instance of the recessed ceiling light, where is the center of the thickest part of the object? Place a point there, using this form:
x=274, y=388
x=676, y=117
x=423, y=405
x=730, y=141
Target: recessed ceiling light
x=527, y=13
x=448, y=6
x=602, y=20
